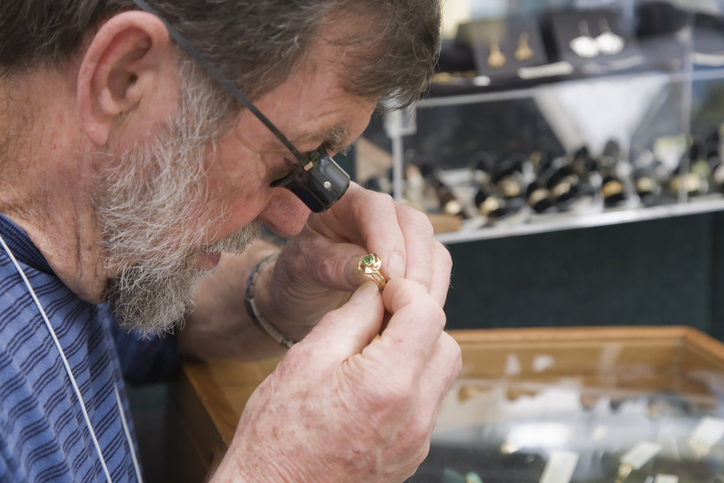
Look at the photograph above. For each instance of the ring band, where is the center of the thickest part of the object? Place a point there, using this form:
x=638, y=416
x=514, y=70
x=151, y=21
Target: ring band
x=370, y=266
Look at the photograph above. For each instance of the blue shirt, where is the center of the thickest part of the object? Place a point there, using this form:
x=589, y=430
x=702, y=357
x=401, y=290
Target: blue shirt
x=43, y=434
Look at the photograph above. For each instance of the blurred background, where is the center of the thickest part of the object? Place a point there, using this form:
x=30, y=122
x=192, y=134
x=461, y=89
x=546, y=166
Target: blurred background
x=569, y=155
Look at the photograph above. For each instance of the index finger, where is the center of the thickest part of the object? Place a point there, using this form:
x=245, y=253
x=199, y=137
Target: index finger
x=368, y=219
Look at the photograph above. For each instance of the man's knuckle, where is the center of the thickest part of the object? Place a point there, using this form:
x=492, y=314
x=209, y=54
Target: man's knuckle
x=418, y=431
x=382, y=199
x=452, y=350
x=423, y=452
x=435, y=313
x=421, y=223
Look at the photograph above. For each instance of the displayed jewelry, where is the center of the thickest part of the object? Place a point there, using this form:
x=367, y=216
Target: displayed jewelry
x=524, y=52
x=693, y=184
x=564, y=188
x=496, y=59
x=585, y=45
x=624, y=470
x=490, y=205
x=645, y=186
x=612, y=188
x=608, y=42
x=370, y=266
x=453, y=207
x=539, y=199
x=613, y=191
x=509, y=187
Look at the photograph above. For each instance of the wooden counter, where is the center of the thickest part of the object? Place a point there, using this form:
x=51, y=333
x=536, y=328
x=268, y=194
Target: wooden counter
x=207, y=401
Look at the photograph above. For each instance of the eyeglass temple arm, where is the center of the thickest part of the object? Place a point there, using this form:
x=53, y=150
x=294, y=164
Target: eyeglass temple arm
x=224, y=82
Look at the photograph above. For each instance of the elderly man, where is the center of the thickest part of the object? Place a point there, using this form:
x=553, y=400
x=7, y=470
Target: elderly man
x=128, y=174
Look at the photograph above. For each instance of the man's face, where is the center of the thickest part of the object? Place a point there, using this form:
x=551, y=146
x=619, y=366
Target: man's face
x=171, y=205
x=153, y=210
x=311, y=108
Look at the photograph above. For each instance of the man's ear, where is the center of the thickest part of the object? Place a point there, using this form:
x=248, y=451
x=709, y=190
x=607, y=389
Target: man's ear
x=129, y=57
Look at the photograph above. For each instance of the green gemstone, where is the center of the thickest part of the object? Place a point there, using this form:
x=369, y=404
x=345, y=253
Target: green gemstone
x=368, y=260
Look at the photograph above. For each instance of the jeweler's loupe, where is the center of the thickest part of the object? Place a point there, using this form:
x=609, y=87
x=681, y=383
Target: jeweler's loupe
x=319, y=183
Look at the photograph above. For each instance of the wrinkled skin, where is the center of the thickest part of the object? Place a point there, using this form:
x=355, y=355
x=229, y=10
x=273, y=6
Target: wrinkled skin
x=345, y=405
x=341, y=410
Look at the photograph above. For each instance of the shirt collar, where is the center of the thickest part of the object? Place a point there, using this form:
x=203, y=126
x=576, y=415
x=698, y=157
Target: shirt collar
x=22, y=247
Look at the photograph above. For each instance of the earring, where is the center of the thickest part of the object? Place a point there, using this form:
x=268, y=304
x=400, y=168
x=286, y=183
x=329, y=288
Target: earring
x=524, y=52
x=496, y=59
x=608, y=42
x=585, y=45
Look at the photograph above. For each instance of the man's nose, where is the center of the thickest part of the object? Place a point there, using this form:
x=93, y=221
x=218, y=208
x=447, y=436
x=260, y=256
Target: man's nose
x=285, y=214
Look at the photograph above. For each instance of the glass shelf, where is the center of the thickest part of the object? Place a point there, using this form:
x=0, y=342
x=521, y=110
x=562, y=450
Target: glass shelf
x=561, y=222
x=530, y=92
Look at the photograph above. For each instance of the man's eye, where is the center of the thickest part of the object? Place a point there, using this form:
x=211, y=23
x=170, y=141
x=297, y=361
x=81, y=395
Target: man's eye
x=284, y=171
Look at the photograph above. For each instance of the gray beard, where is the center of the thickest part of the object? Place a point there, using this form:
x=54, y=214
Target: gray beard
x=150, y=300
x=153, y=207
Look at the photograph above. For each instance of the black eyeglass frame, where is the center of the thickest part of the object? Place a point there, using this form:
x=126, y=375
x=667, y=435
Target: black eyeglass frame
x=317, y=180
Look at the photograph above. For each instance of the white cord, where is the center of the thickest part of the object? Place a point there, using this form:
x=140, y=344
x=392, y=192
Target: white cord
x=128, y=436
x=72, y=378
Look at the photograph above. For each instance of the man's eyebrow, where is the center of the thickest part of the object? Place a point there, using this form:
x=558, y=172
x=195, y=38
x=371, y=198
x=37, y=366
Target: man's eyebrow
x=335, y=139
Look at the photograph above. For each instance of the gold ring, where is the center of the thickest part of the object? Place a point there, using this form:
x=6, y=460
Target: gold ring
x=370, y=266
x=611, y=188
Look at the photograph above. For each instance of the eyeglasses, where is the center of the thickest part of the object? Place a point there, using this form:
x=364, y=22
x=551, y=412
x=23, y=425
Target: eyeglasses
x=317, y=180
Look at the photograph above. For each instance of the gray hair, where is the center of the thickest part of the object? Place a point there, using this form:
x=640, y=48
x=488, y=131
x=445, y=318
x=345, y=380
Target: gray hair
x=255, y=43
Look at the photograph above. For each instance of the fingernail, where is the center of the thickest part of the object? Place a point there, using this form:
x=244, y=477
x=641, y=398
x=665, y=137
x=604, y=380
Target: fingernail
x=396, y=266
x=365, y=293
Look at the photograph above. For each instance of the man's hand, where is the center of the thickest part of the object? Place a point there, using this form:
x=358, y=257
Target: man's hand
x=314, y=274
x=344, y=406
x=318, y=266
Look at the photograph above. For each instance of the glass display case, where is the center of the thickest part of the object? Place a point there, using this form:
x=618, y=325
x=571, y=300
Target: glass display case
x=584, y=405
x=627, y=405
x=563, y=114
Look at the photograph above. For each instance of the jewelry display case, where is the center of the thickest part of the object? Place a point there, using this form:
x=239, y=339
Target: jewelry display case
x=561, y=115
x=582, y=405
x=530, y=405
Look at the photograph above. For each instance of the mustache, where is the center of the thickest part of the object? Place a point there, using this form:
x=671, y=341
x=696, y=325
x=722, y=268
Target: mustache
x=153, y=298
x=237, y=242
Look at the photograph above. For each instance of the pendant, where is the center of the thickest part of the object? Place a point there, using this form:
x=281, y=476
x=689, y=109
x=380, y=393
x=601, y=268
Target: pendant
x=608, y=42
x=496, y=59
x=524, y=52
x=585, y=45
